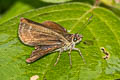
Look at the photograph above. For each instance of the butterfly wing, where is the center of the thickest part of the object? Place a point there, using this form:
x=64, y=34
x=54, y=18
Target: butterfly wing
x=55, y=27
x=59, y=29
x=33, y=33
x=41, y=51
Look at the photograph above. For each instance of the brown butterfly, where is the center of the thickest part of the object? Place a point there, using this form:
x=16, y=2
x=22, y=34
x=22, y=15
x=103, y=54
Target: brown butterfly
x=47, y=37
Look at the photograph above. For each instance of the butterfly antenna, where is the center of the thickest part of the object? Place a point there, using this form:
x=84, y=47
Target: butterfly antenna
x=85, y=24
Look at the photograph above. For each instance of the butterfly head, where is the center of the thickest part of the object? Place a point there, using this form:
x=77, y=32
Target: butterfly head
x=77, y=38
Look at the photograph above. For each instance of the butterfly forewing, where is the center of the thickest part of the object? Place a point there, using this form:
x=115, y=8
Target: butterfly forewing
x=33, y=33
x=56, y=27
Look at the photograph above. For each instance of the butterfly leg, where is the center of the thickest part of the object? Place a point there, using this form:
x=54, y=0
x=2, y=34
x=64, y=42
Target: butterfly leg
x=80, y=53
x=70, y=57
x=58, y=57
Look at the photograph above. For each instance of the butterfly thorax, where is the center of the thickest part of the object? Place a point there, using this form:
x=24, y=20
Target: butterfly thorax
x=72, y=40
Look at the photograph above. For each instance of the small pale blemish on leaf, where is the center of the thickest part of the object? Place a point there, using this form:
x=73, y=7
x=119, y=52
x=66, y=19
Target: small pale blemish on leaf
x=107, y=54
x=28, y=64
x=34, y=77
x=69, y=30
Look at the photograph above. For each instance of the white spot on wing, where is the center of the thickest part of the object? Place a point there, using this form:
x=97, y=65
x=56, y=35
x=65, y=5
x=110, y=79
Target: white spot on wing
x=24, y=24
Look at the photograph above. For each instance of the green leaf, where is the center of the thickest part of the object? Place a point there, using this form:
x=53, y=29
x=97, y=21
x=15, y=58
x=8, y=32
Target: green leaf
x=4, y=5
x=56, y=1
x=113, y=5
x=17, y=8
x=20, y=7
x=102, y=31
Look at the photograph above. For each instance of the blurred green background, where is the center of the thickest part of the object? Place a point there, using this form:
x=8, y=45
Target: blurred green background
x=12, y=8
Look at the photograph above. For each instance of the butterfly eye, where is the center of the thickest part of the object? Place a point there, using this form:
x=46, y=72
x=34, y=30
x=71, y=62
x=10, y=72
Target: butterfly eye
x=75, y=39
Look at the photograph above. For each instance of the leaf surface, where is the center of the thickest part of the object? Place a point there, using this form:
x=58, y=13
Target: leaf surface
x=102, y=31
